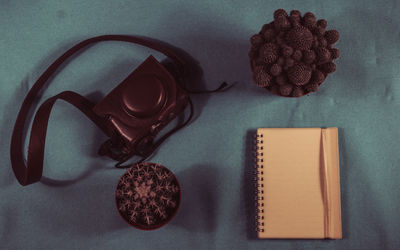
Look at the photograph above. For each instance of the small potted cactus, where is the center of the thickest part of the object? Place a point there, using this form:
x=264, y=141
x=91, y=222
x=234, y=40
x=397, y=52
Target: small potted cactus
x=148, y=196
x=293, y=55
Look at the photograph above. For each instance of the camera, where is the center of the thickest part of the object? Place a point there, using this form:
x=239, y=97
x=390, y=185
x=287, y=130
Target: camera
x=138, y=108
x=131, y=115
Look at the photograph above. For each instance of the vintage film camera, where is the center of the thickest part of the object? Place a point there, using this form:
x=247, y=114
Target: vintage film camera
x=132, y=114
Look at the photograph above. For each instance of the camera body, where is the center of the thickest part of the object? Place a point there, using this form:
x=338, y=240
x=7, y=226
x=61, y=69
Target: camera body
x=137, y=109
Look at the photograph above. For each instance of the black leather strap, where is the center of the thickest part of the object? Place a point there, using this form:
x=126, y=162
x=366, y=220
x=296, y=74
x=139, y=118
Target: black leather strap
x=32, y=171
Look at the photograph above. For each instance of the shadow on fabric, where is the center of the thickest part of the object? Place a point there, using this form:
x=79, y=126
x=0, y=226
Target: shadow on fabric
x=200, y=196
x=86, y=208
x=248, y=185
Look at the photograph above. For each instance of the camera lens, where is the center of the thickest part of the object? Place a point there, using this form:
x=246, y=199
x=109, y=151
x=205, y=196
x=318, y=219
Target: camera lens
x=144, y=96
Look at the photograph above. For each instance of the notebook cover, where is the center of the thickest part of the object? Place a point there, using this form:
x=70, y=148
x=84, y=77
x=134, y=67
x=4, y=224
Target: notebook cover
x=298, y=186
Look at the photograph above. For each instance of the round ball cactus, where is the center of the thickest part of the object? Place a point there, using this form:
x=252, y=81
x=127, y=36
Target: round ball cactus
x=293, y=50
x=148, y=195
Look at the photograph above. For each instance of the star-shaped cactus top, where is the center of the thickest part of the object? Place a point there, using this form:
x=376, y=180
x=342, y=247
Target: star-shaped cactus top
x=148, y=195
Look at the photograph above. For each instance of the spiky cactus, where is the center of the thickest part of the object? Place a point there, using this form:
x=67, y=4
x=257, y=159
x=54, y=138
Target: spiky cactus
x=147, y=195
x=293, y=55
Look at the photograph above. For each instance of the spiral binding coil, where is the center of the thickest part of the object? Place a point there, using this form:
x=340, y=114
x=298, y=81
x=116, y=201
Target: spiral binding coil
x=258, y=179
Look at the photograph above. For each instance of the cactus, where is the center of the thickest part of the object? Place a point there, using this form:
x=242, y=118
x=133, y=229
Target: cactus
x=293, y=55
x=147, y=195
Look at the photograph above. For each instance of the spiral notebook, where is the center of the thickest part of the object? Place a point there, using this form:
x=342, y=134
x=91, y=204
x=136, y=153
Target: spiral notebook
x=298, y=185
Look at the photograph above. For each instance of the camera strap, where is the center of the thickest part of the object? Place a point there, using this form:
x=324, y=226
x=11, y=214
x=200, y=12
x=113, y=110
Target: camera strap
x=31, y=171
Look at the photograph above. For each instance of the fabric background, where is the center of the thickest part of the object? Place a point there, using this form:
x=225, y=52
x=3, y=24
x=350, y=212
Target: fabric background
x=211, y=157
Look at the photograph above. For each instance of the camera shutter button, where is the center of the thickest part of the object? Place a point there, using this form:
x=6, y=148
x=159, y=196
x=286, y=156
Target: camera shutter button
x=155, y=128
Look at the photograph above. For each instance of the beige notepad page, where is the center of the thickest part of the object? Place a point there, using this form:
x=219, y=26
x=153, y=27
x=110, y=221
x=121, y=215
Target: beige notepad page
x=298, y=183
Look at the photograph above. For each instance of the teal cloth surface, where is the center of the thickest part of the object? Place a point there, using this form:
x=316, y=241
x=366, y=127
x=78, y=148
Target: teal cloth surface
x=212, y=157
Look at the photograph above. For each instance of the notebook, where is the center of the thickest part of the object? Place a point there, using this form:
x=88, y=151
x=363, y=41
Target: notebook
x=298, y=185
